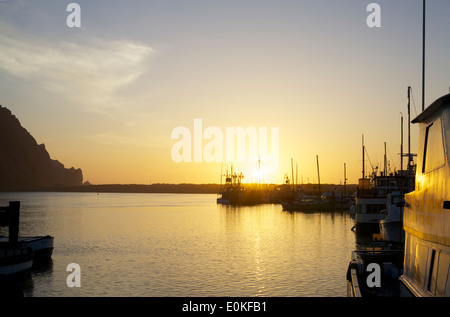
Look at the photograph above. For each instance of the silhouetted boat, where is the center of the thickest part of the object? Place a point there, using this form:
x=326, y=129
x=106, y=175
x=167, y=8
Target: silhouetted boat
x=232, y=193
x=308, y=204
x=42, y=246
x=328, y=201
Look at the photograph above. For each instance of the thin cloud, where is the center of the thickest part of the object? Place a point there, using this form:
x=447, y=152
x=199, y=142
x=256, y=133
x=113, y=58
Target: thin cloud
x=92, y=71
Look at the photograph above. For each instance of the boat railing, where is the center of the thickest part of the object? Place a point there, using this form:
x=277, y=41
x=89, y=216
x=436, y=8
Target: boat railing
x=378, y=246
x=355, y=289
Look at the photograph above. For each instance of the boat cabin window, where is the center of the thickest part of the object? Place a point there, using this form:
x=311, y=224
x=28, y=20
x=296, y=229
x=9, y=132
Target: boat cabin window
x=420, y=262
x=440, y=262
x=434, y=147
x=371, y=208
x=446, y=122
x=396, y=200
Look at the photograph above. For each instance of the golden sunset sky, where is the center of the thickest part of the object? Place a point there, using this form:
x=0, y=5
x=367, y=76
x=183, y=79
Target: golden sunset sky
x=105, y=97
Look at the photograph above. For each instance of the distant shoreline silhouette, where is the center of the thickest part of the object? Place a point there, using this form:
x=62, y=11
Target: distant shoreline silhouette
x=171, y=188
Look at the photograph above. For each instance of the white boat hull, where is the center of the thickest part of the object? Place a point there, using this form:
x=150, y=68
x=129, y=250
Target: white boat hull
x=392, y=231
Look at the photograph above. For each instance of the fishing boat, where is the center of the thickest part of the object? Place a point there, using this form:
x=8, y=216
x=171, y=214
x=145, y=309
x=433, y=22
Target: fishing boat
x=371, y=201
x=233, y=192
x=426, y=218
x=387, y=255
x=372, y=196
x=370, y=205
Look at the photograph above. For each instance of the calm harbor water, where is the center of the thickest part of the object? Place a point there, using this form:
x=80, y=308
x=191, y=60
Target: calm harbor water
x=178, y=245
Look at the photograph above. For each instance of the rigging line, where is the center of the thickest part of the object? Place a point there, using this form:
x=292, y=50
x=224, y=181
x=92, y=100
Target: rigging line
x=392, y=159
x=368, y=158
x=414, y=103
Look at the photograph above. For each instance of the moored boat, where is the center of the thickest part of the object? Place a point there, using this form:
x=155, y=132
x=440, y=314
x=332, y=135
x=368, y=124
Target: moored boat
x=371, y=201
x=374, y=270
x=372, y=197
x=426, y=218
x=42, y=246
x=309, y=204
x=232, y=192
x=391, y=227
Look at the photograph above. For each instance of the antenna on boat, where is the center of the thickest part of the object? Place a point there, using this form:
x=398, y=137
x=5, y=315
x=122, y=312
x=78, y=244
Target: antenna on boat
x=409, y=124
x=363, y=173
x=409, y=139
x=345, y=180
x=401, y=169
x=423, y=58
x=410, y=167
x=401, y=156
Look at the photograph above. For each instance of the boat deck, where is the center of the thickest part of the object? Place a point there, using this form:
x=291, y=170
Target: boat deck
x=389, y=257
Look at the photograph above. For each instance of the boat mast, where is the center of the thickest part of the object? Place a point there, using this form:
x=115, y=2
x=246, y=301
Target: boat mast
x=410, y=156
x=318, y=174
x=385, y=170
x=345, y=180
x=423, y=58
x=409, y=124
x=292, y=170
x=402, y=177
x=363, y=173
x=401, y=157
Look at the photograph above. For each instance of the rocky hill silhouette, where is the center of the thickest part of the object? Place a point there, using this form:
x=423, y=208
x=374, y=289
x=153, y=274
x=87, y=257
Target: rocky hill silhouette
x=25, y=163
